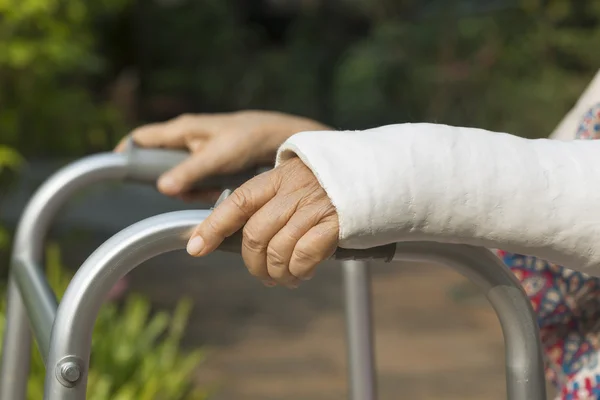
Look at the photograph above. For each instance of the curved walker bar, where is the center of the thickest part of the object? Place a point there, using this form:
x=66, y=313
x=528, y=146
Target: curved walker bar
x=70, y=341
x=29, y=293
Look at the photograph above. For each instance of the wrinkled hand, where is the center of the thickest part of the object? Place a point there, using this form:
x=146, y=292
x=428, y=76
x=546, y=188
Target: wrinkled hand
x=289, y=225
x=219, y=143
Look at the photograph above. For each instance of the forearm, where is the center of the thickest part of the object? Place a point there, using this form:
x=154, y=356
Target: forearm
x=276, y=130
x=447, y=184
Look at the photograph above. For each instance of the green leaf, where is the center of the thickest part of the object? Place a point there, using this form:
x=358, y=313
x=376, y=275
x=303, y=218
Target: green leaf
x=9, y=158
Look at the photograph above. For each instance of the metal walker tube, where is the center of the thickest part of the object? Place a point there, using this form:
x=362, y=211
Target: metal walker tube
x=29, y=293
x=70, y=341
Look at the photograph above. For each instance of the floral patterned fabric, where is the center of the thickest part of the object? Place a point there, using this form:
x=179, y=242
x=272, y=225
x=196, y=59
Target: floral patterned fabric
x=567, y=304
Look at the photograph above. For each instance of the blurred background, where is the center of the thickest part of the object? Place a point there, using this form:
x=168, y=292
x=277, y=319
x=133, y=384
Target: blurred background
x=77, y=75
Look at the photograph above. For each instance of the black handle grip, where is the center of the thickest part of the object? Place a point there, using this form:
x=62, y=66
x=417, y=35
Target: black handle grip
x=147, y=165
x=385, y=253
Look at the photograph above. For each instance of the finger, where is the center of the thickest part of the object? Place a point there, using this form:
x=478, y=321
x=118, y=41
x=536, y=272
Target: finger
x=193, y=169
x=281, y=246
x=318, y=244
x=259, y=231
x=161, y=134
x=229, y=216
x=155, y=136
x=176, y=133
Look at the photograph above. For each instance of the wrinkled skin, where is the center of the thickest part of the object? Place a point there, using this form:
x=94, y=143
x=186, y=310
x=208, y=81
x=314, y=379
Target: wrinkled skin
x=289, y=225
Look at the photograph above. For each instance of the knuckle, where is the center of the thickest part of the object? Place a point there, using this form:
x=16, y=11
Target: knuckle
x=293, y=231
x=328, y=211
x=252, y=240
x=275, y=258
x=304, y=257
x=274, y=178
x=212, y=226
x=242, y=199
x=189, y=136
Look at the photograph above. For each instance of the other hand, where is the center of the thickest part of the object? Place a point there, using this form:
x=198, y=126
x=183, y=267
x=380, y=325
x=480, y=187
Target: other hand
x=219, y=144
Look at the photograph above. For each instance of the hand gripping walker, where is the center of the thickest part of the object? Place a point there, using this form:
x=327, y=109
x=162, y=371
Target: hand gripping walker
x=30, y=295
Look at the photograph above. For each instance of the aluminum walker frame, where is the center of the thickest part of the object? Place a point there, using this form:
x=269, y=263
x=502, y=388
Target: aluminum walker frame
x=63, y=331
x=27, y=282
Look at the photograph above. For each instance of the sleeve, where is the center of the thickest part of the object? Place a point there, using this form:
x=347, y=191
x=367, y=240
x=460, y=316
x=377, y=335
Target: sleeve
x=460, y=185
x=568, y=126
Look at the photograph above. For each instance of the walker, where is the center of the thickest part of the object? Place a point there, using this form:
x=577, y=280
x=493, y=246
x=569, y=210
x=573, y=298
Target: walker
x=63, y=332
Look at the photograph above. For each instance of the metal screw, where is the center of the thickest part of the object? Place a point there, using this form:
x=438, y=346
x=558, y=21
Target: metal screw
x=70, y=372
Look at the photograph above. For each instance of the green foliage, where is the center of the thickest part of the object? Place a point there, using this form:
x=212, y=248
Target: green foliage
x=136, y=355
x=10, y=161
x=364, y=63
x=357, y=64
x=47, y=60
x=517, y=70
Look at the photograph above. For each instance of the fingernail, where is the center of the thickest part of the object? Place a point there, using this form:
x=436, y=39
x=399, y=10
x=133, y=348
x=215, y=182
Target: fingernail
x=195, y=245
x=293, y=285
x=269, y=283
x=307, y=277
x=168, y=184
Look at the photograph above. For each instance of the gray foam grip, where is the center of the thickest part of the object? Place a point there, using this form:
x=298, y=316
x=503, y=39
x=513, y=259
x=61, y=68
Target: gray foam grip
x=385, y=253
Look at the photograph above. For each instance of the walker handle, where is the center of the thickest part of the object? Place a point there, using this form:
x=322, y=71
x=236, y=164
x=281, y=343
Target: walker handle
x=147, y=165
x=385, y=253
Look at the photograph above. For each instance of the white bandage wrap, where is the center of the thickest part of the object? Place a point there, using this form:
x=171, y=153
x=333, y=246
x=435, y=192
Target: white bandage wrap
x=460, y=185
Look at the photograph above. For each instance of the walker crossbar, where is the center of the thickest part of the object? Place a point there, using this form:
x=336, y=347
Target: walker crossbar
x=70, y=342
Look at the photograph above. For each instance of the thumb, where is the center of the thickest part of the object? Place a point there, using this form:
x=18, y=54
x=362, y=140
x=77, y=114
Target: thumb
x=209, y=161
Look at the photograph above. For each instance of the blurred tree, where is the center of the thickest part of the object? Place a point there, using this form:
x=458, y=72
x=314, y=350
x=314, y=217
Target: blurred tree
x=516, y=70
x=69, y=70
x=47, y=62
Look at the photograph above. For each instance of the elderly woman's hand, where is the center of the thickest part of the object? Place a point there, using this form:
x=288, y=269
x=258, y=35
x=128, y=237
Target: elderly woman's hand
x=219, y=143
x=289, y=225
